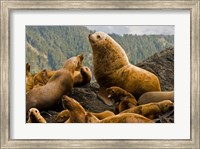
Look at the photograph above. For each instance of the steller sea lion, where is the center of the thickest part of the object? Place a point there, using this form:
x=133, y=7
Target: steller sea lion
x=119, y=118
x=76, y=111
x=81, y=77
x=62, y=116
x=40, y=78
x=112, y=68
x=151, y=110
x=61, y=83
x=123, y=99
x=35, y=117
x=29, y=78
x=156, y=97
x=103, y=114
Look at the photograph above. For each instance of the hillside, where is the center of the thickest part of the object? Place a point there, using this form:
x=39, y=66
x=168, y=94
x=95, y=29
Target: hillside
x=47, y=47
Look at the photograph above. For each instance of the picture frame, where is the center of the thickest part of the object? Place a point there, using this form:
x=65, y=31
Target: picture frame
x=8, y=6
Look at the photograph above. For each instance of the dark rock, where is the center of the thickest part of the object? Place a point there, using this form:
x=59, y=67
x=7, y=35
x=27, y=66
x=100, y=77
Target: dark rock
x=87, y=96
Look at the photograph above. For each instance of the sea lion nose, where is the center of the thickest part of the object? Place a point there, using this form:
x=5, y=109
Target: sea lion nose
x=89, y=35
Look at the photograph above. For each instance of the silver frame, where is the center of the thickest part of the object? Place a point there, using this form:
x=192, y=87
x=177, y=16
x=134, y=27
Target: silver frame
x=193, y=6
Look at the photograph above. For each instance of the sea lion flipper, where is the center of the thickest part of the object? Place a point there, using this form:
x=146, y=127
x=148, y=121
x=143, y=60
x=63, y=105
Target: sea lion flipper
x=102, y=94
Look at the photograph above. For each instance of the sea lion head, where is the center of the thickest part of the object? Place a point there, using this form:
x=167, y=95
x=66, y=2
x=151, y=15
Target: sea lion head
x=115, y=92
x=75, y=62
x=35, y=117
x=77, y=112
x=62, y=116
x=165, y=105
x=98, y=38
x=71, y=104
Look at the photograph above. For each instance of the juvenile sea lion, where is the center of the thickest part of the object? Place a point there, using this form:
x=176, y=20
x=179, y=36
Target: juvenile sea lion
x=76, y=111
x=123, y=99
x=40, y=78
x=35, y=117
x=151, y=110
x=61, y=83
x=154, y=96
x=119, y=118
x=103, y=114
x=62, y=116
x=112, y=68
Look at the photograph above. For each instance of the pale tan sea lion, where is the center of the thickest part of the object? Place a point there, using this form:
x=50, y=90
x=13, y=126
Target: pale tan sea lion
x=61, y=83
x=76, y=111
x=154, y=96
x=35, y=117
x=119, y=118
x=62, y=116
x=103, y=114
x=123, y=99
x=112, y=68
x=151, y=110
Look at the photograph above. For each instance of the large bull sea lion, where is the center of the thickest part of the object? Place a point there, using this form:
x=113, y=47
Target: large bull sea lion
x=112, y=68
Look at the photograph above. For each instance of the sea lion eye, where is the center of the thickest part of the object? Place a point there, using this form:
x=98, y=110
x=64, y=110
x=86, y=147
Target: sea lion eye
x=98, y=36
x=36, y=111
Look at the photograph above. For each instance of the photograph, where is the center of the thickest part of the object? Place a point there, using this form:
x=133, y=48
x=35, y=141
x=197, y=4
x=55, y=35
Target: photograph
x=100, y=74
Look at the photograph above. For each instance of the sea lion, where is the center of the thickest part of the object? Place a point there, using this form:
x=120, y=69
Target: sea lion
x=28, y=69
x=83, y=76
x=112, y=68
x=151, y=110
x=119, y=118
x=76, y=111
x=40, y=78
x=103, y=114
x=154, y=96
x=61, y=83
x=123, y=99
x=29, y=78
x=62, y=116
x=35, y=117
